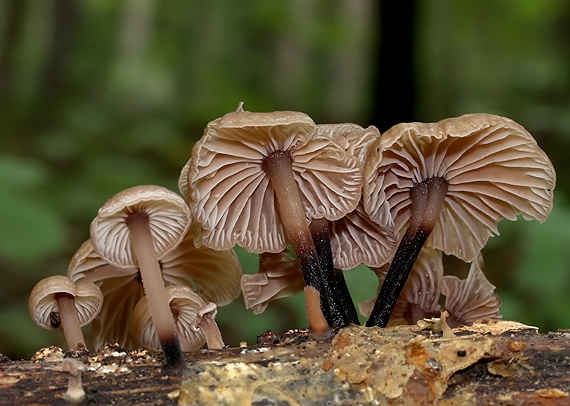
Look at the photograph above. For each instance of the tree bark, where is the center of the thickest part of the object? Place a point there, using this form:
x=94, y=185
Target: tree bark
x=496, y=362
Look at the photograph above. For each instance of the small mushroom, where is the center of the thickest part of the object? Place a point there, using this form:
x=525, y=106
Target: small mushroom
x=449, y=183
x=56, y=303
x=278, y=276
x=75, y=392
x=134, y=229
x=256, y=180
x=194, y=320
x=470, y=299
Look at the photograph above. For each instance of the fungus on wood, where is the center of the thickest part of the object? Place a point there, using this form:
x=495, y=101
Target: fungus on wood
x=449, y=183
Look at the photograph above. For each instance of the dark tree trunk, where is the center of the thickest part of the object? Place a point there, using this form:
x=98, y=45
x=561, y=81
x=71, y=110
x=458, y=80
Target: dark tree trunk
x=395, y=89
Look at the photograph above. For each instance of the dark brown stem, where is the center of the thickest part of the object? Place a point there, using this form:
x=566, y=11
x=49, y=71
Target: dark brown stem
x=279, y=168
x=342, y=306
x=427, y=200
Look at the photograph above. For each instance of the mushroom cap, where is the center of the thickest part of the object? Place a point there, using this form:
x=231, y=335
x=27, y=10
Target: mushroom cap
x=214, y=274
x=493, y=166
x=187, y=305
x=42, y=301
x=470, y=299
x=278, y=276
x=232, y=199
x=169, y=218
x=86, y=264
x=355, y=240
x=352, y=137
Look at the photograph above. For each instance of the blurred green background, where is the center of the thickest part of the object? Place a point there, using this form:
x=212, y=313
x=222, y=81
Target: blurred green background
x=100, y=95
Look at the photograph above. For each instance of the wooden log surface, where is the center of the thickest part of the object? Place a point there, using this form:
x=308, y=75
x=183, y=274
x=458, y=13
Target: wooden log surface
x=488, y=363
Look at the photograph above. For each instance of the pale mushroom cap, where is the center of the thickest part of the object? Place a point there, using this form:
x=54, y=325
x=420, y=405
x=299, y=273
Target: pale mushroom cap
x=187, y=304
x=355, y=240
x=279, y=276
x=214, y=274
x=231, y=197
x=169, y=218
x=473, y=298
x=493, y=166
x=352, y=137
x=42, y=301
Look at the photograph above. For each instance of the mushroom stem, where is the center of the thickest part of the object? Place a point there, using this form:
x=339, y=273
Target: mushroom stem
x=343, y=311
x=205, y=322
x=427, y=200
x=75, y=392
x=69, y=320
x=279, y=168
x=153, y=284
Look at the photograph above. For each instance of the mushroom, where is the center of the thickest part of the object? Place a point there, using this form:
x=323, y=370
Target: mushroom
x=450, y=183
x=472, y=298
x=215, y=275
x=257, y=179
x=75, y=392
x=57, y=303
x=134, y=229
x=194, y=320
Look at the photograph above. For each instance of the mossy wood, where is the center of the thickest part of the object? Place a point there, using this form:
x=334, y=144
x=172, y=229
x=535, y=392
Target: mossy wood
x=497, y=362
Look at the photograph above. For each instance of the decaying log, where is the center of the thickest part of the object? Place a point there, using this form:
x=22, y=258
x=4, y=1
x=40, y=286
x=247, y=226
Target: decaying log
x=496, y=363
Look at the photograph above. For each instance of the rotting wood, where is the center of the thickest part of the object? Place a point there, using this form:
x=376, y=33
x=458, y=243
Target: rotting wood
x=498, y=363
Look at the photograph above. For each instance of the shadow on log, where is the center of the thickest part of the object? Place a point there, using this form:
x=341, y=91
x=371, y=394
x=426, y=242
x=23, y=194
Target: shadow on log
x=497, y=362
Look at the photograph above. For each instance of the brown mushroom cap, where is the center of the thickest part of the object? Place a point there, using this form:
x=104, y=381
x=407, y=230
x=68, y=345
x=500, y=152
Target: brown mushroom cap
x=355, y=240
x=279, y=276
x=493, y=167
x=168, y=214
x=42, y=302
x=186, y=305
x=232, y=198
x=470, y=299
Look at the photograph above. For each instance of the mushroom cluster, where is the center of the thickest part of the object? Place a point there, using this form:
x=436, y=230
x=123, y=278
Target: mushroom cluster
x=140, y=251
x=313, y=200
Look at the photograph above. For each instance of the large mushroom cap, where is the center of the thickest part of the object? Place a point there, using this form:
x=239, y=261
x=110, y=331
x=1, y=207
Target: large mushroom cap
x=230, y=195
x=43, y=303
x=494, y=170
x=168, y=214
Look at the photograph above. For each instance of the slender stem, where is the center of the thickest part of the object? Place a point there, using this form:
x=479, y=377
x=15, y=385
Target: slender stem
x=319, y=328
x=212, y=333
x=154, y=288
x=342, y=306
x=427, y=200
x=279, y=169
x=69, y=320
